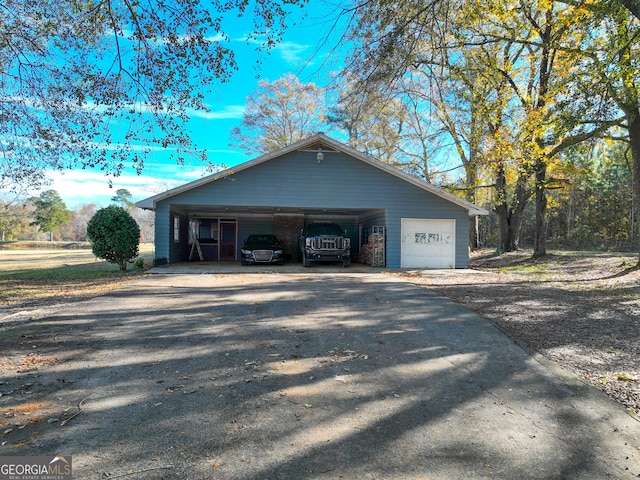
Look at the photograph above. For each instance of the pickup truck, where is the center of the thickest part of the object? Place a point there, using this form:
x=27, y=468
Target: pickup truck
x=324, y=242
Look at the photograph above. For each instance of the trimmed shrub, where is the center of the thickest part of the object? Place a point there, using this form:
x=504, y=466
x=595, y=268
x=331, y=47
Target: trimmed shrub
x=114, y=235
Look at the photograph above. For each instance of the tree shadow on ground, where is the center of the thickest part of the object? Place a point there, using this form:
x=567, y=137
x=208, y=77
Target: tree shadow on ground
x=297, y=376
x=582, y=313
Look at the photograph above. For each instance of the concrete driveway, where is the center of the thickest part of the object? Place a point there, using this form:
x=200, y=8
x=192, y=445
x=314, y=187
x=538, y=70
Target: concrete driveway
x=323, y=374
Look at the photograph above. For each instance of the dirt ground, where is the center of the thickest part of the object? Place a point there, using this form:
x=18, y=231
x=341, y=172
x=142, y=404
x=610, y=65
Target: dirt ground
x=264, y=374
x=581, y=310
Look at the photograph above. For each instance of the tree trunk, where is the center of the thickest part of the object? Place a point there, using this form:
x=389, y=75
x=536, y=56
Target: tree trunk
x=510, y=217
x=540, y=240
x=521, y=197
x=472, y=179
x=506, y=237
x=471, y=166
x=473, y=233
x=633, y=120
x=540, y=164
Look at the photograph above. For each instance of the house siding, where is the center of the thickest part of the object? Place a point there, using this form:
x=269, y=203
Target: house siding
x=162, y=234
x=297, y=180
x=259, y=224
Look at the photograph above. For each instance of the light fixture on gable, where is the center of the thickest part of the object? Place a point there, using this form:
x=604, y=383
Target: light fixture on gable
x=320, y=155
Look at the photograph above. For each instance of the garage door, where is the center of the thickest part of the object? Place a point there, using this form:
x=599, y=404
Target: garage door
x=428, y=243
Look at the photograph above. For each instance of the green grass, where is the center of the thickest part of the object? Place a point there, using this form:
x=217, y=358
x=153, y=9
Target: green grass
x=34, y=277
x=527, y=269
x=66, y=273
x=19, y=332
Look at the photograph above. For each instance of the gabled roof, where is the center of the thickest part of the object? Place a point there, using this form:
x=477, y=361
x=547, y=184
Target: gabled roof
x=314, y=142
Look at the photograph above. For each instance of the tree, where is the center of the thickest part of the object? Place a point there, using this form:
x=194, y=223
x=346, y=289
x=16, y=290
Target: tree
x=421, y=138
x=76, y=229
x=524, y=53
x=463, y=99
x=15, y=219
x=417, y=53
x=632, y=5
x=548, y=116
x=114, y=235
x=76, y=74
x=123, y=197
x=372, y=120
x=612, y=56
x=51, y=211
x=278, y=114
x=594, y=209
x=146, y=221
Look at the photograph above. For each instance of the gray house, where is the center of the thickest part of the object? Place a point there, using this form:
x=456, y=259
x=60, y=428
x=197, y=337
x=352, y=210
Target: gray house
x=393, y=219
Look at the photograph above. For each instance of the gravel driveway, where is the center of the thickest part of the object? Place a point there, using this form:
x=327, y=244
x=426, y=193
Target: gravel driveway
x=298, y=376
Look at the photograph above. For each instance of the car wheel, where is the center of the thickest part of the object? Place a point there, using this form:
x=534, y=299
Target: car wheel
x=306, y=262
x=346, y=263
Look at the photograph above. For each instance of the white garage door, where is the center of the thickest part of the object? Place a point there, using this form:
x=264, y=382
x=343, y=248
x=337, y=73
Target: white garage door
x=428, y=243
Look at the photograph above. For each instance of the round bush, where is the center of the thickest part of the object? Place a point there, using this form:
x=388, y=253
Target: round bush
x=114, y=235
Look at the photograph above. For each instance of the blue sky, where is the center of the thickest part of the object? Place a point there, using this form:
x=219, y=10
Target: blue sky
x=304, y=51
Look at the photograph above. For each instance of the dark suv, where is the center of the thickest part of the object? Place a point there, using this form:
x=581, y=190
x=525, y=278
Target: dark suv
x=324, y=242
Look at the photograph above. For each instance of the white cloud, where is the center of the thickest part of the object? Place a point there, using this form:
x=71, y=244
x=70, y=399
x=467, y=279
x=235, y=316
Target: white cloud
x=249, y=39
x=225, y=113
x=217, y=38
x=293, y=53
x=80, y=187
x=83, y=186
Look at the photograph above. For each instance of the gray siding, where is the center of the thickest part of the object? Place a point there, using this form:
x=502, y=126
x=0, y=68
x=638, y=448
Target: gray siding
x=178, y=250
x=162, y=233
x=260, y=224
x=297, y=180
x=338, y=182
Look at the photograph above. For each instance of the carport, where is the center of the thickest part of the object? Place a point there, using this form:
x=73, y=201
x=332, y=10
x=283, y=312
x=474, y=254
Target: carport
x=220, y=230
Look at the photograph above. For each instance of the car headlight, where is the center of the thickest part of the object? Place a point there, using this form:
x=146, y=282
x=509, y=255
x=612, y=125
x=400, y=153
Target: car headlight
x=246, y=252
x=278, y=252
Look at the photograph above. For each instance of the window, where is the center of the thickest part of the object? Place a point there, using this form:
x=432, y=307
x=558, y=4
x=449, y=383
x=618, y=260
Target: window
x=176, y=229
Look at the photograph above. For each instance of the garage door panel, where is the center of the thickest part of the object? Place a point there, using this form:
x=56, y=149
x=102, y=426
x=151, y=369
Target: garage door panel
x=428, y=243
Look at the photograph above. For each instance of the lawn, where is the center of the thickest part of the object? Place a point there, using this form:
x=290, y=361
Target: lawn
x=37, y=277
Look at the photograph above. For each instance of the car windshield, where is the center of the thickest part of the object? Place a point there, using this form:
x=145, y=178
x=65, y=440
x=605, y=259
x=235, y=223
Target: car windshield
x=324, y=229
x=262, y=240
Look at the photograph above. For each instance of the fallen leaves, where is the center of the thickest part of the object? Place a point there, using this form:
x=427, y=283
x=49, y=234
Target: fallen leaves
x=587, y=322
x=28, y=363
x=25, y=413
x=33, y=361
x=27, y=408
x=625, y=377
